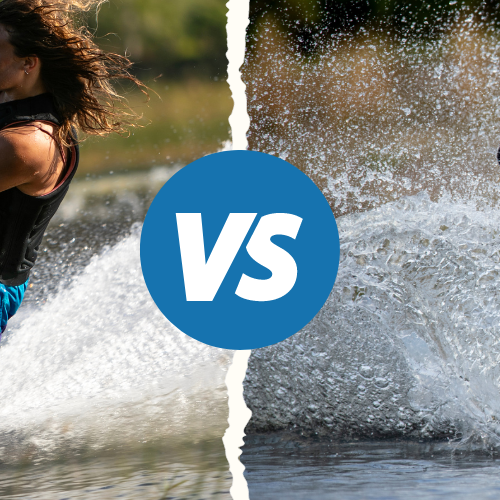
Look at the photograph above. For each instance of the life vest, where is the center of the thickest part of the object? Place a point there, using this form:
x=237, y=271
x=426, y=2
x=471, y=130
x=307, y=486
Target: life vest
x=24, y=218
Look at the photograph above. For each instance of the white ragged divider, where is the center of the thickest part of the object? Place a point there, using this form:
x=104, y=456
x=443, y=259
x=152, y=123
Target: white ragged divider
x=239, y=414
x=237, y=22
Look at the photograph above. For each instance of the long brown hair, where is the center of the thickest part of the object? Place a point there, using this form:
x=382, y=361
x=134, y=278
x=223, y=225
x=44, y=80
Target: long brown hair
x=74, y=70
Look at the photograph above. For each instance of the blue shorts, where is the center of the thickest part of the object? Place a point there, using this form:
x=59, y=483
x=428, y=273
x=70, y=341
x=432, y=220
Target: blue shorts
x=10, y=300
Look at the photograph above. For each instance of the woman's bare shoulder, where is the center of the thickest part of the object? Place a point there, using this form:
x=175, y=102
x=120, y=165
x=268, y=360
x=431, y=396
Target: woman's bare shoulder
x=30, y=158
x=29, y=144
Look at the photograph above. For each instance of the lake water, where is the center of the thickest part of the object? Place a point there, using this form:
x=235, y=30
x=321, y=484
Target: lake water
x=377, y=470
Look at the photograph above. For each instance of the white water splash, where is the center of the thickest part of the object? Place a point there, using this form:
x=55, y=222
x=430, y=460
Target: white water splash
x=343, y=117
x=407, y=344
x=98, y=364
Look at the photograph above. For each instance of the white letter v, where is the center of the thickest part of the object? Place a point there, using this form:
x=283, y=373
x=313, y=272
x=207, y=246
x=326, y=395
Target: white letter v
x=203, y=278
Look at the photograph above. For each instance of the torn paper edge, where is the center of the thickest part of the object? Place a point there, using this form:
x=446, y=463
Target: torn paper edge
x=239, y=414
x=237, y=22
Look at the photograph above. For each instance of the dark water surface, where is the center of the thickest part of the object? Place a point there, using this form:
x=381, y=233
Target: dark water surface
x=278, y=467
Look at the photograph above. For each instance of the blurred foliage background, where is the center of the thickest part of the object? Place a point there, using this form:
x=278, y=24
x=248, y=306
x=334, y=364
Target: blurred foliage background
x=308, y=21
x=177, y=39
x=178, y=50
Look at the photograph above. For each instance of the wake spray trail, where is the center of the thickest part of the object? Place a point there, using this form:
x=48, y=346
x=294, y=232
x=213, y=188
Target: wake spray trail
x=99, y=365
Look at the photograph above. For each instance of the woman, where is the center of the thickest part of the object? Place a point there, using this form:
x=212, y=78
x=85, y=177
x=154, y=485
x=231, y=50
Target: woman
x=53, y=79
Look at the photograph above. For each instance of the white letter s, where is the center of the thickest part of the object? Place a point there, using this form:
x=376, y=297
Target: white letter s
x=274, y=258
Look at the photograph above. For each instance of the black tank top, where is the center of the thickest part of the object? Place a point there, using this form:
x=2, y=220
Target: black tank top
x=24, y=218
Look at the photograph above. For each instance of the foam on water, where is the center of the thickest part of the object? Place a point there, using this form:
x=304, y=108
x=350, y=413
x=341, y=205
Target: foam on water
x=99, y=365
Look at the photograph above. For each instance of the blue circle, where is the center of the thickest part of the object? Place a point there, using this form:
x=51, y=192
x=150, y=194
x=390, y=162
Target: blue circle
x=240, y=182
